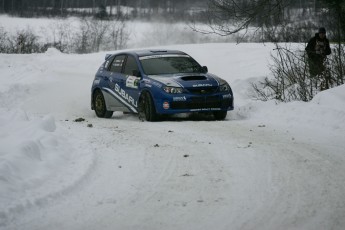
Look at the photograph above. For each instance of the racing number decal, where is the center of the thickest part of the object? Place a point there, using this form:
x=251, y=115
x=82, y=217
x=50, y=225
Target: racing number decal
x=132, y=82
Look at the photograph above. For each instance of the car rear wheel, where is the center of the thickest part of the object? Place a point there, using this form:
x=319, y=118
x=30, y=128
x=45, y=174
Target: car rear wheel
x=147, y=110
x=100, y=106
x=220, y=115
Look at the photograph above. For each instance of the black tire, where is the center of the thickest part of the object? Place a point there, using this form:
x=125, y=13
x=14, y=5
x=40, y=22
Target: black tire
x=147, y=110
x=220, y=115
x=100, y=106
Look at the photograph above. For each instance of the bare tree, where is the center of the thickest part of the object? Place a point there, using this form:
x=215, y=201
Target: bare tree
x=3, y=40
x=226, y=17
x=91, y=35
x=81, y=40
x=98, y=32
x=62, y=35
x=336, y=18
x=118, y=34
x=273, y=20
x=291, y=79
x=23, y=42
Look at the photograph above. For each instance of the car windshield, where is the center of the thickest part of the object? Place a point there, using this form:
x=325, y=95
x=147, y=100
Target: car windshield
x=169, y=64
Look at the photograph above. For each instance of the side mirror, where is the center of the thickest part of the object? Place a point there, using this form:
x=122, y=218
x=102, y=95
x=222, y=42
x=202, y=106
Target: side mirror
x=204, y=69
x=136, y=73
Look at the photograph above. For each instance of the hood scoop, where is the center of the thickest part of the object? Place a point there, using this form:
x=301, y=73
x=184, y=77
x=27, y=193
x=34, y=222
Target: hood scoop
x=193, y=78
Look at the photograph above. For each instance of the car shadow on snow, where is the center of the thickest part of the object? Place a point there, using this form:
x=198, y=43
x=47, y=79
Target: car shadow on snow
x=188, y=117
x=174, y=117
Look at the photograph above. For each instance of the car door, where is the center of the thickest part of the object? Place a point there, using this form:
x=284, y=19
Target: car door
x=132, y=79
x=123, y=84
x=113, y=81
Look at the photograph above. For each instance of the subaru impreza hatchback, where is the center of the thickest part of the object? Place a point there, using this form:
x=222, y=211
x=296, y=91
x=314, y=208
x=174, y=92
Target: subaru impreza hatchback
x=152, y=83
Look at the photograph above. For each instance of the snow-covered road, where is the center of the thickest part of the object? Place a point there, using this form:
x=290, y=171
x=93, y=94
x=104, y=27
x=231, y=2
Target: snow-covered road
x=198, y=175
x=266, y=166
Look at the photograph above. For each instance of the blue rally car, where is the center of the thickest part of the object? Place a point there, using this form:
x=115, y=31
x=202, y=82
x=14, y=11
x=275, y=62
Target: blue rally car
x=157, y=82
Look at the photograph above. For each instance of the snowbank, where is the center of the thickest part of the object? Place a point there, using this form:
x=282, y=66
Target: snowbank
x=30, y=152
x=324, y=114
x=37, y=161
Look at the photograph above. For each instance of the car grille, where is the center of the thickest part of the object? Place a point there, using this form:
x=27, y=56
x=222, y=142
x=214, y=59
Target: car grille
x=201, y=103
x=208, y=90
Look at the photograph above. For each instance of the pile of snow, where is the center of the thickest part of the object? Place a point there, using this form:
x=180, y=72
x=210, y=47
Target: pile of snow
x=325, y=113
x=52, y=51
x=38, y=160
x=30, y=153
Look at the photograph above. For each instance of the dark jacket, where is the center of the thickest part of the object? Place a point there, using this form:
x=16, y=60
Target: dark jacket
x=318, y=48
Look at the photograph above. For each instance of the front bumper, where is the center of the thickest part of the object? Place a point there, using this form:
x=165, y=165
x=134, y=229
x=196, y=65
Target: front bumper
x=194, y=103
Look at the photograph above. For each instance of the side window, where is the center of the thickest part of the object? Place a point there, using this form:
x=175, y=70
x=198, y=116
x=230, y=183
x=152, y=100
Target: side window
x=116, y=65
x=131, y=65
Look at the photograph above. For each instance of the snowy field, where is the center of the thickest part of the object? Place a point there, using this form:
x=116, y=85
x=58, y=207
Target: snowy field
x=141, y=33
x=267, y=166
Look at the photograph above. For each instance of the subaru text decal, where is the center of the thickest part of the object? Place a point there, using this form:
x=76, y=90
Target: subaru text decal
x=125, y=95
x=180, y=98
x=202, y=85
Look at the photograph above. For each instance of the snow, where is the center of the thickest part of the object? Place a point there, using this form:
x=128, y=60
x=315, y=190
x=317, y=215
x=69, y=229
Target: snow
x=267, y=166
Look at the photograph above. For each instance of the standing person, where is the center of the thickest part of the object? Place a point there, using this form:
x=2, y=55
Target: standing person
x=317, y=49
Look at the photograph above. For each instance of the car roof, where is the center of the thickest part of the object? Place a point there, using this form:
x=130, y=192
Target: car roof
x=141, y=53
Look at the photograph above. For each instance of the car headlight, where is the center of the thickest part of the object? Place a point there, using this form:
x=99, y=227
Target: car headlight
x=172, y=90
x=224, y=87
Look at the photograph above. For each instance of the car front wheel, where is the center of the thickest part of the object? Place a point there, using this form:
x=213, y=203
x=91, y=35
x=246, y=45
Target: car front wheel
x=147, y=110
x=100, y=106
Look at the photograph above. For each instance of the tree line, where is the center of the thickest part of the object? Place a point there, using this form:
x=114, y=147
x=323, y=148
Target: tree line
x=109, y=8
x=142, y=8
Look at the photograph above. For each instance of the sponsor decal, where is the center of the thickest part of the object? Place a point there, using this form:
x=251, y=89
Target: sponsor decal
x=118, y=62
x=111, y=84
x=202, y=85
x=148, y=83
x=205, y=109
x=180, y=98
x=125, y=95
x=132, y=82
x=166, y=105
x=162, y=56
x=159, y=85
